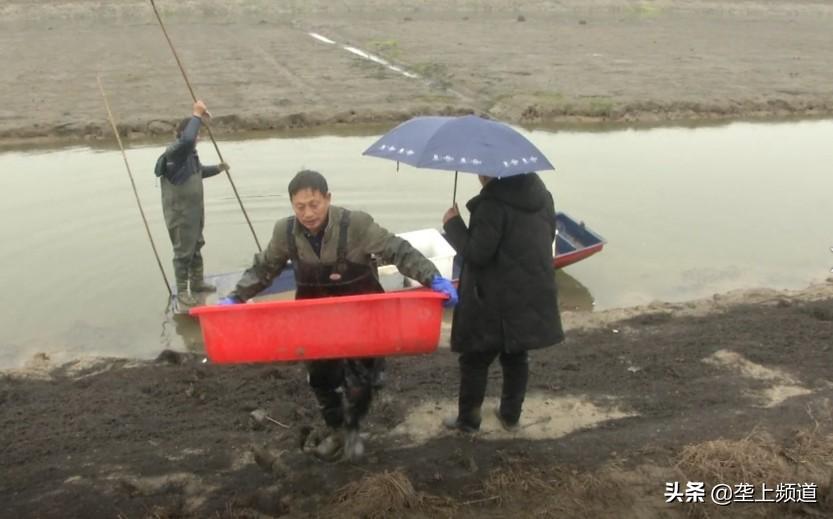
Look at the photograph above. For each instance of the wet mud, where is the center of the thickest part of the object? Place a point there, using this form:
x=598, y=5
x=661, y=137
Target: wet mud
x=178, y=437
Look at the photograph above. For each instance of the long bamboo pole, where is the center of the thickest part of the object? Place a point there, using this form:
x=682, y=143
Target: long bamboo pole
x=207, y=127
x=132, y=183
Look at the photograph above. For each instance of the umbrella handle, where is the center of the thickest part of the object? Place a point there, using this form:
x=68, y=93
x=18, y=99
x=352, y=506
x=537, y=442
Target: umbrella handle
x=454, y=196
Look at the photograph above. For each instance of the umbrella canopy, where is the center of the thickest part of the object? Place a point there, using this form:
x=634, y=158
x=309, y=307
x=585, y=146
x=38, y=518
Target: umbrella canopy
x=469, y=143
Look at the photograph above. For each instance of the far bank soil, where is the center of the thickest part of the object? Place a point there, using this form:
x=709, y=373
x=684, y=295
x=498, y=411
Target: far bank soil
x=173, y=438
x=530, y=62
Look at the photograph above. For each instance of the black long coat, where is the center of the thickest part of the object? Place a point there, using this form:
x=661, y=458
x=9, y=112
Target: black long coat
x=508, y=296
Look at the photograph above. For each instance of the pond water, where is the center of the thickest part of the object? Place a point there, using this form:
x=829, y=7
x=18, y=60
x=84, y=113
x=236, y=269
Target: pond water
x=687, y=212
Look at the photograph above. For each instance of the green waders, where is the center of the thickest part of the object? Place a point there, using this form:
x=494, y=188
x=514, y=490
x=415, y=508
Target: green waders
x=184, y=213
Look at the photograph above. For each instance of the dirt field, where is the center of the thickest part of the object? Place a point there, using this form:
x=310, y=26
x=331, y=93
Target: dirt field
x=530, y=62
x=731, y=390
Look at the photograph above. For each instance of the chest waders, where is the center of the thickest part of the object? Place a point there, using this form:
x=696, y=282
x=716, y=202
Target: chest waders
x=183, y=208
x=354, y=377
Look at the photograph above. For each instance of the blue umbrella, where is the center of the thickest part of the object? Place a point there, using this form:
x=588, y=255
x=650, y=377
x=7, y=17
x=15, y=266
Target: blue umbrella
x=469, y=143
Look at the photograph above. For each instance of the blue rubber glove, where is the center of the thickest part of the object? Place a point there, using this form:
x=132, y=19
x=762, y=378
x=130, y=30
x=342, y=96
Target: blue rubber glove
x=229, y=300
x=443, y=285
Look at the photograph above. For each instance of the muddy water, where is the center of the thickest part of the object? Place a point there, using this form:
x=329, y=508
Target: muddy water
x=687, y=213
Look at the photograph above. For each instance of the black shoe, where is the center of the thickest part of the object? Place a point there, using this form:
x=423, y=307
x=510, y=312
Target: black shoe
x=455, y=424
x=507, y=426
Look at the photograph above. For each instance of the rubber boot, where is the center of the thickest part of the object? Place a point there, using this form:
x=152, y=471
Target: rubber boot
x=468, y=425
x=378, y=373
x=515, y=368
x=183, y=298
x=507, y=426
x=332, y=446
x=353, y=445
x=474, y=375
x=198, y=283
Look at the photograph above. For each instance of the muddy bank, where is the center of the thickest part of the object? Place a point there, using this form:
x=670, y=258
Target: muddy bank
x=634, y=398
x=534, y=63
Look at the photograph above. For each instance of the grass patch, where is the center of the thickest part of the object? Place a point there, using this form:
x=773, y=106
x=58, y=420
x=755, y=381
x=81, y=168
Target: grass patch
x=549, y=96
x=646, y=9
x=385, y=48
x=436, y=72
x=371, y=69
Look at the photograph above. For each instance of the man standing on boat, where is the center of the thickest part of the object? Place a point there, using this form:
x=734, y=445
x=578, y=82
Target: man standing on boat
x=181, y=176
x=332, y=249
x=508, y=297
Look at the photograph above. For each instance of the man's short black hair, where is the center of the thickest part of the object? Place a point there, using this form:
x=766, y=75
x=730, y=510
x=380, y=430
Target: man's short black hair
x=308, y=179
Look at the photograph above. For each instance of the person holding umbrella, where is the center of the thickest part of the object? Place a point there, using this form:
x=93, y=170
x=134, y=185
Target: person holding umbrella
x=332, y=249
x=508, y=296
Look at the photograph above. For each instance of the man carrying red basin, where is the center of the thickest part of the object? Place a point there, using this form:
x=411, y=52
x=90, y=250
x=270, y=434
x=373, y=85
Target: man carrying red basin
x=332, y=250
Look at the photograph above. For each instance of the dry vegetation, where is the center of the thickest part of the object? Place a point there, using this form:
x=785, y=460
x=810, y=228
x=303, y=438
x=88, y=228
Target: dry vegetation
x=386, y=494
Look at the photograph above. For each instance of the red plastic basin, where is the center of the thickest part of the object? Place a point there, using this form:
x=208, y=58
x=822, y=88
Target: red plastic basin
x=396, y=323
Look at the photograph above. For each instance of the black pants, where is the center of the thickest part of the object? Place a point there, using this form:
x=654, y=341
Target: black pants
x=354, y=377
x=474, y=376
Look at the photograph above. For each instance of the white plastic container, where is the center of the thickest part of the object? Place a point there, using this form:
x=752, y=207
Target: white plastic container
x=433, y=246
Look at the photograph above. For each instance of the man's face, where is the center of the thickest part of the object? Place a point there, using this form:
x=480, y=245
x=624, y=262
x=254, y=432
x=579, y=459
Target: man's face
x=311, y=208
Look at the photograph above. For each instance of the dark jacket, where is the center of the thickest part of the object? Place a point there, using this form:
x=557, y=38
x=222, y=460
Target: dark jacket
x=181, y=159
x=508, y=296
